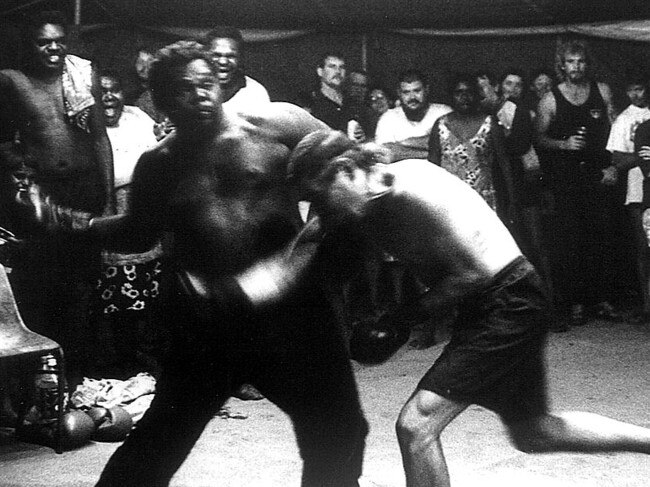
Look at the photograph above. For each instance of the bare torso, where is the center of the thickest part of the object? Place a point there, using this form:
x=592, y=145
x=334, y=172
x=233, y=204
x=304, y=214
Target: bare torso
x=440, y=226
x=57, y=148
x=226, y=200
x=71, y=165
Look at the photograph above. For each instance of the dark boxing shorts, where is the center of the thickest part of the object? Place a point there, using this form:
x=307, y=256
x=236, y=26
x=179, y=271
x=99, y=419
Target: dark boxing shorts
x=495, y=355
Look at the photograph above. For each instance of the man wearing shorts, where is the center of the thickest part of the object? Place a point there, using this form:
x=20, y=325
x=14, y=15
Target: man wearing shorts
x=246, y=307
x=444, y=230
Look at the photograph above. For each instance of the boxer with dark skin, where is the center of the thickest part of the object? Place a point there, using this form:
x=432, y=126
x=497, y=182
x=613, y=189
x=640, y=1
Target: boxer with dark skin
x=442, y=228
x=247, y=307
x=74, y=166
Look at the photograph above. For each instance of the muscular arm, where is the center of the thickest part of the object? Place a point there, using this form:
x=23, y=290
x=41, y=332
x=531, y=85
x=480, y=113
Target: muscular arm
x=399, y=151
x=545, y=115
x=103, y=150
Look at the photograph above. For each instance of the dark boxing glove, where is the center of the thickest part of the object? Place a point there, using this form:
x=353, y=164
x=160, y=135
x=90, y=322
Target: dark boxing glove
x=53, y=216
x=112, y=424
x=375, y=342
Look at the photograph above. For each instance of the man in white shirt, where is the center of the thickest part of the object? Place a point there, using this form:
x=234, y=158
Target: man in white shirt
x=239, y=91
x=405, y=129
x=621, y=145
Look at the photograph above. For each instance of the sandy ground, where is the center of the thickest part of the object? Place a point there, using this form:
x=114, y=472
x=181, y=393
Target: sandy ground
x=602, y=367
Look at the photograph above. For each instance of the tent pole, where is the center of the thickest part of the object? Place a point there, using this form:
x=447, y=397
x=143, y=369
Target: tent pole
x=364, y=52
x=77, y=13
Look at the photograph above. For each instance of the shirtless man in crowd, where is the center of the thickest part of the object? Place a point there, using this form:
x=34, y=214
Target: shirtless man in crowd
x=52, y=128
x=246, y=307
x=443, y=229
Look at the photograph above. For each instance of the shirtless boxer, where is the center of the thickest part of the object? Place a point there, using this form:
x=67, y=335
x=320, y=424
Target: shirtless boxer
x=441, y=227
x=246, y=307
x=64, y=147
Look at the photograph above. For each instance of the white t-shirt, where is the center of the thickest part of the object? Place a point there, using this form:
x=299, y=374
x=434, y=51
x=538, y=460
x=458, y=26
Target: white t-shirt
x=132, y=135
x=621, y=139
x=249, y=97
x=393, y=126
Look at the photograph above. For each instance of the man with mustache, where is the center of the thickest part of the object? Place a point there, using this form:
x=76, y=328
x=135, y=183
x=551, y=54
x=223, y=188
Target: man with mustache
x=405, y=129
x=327, y=103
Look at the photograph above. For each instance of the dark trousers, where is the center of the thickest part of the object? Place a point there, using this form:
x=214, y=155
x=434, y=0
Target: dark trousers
x=293, y=354
x=586, y=260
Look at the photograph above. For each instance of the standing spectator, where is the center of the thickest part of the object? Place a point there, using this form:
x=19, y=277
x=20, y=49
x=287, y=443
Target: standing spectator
x=379, y=102
x=328, y=101
x=573, y=124
x=53, y=105
x=621, y=145
x=515, y=116
x=541, y=82
x=354, y=100
x=239, y=91
x=129, y=283
x=405, y=129
x=469, y=144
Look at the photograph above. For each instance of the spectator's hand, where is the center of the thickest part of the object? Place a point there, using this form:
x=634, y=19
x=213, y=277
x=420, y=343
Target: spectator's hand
x=575, y=143
x=644, y=155
x=610, y=176
x=163, y=129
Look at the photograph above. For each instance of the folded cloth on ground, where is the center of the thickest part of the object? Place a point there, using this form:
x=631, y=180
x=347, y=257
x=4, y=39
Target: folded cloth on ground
x=108, y=393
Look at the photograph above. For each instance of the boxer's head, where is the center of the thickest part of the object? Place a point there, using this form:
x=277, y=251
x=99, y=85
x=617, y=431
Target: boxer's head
x=184, y=85
x=331, y=171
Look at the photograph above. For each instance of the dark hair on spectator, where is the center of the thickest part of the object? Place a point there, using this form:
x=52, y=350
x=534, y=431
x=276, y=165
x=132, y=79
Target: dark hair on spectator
x=166, y=67
x=540, y=71
x=636, y=76
x=571, y=46
x=223, y=32
x=34, y=22
x=110, y=73
x=485, y=73
x=411, y=75
x=515, y=71
x=328, y=54
x=468, y=78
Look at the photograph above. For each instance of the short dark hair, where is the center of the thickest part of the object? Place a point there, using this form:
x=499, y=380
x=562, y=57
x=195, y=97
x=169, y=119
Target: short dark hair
x=636, y=76
x=34, y=22
x=468, y=78
x=411, y=75
x=167, y=65
x=223, y=32
x=337, y=55
x=515, y=71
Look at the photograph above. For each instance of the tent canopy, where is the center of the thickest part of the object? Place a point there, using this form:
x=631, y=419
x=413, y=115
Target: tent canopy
x=343, y=15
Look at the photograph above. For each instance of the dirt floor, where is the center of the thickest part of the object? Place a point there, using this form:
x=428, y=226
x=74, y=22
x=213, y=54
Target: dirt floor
x=601, y=367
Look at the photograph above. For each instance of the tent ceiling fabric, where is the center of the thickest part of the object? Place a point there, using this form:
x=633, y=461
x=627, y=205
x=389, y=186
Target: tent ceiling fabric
x=343, y=14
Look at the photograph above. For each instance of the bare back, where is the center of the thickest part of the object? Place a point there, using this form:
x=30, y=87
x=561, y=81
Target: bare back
x=440, y=226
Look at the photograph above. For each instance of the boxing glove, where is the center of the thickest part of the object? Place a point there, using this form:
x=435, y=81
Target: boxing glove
x=77, y=429
x=53, y=216
x=375, y=342
x=113, y=424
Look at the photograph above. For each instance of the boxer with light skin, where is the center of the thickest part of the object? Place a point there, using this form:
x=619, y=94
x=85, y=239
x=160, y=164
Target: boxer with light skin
x=246, y=307
x=457, y=245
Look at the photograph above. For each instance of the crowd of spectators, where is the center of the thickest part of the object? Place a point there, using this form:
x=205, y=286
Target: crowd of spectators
x=544, y=148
